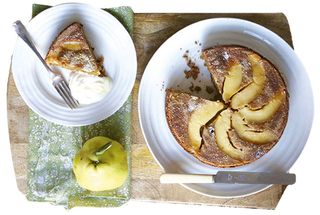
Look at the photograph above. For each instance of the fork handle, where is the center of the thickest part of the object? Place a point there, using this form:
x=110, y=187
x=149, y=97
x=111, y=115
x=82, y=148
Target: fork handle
x=24, y=35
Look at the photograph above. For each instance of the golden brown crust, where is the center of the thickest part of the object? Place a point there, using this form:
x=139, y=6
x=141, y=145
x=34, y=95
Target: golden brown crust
x=211, y=154
x=218, y=61
x=73, y=32
x=273, y=85
x=179, y=107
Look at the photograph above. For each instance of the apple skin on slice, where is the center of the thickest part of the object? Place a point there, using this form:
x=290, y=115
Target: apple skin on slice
x=221, y=127
x=266, y=112
x=200, y=117
x=232, y=82
x=249, y=134
x=250, y=92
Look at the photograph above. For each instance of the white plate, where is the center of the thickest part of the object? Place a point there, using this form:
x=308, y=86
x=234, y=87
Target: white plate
x=109, y=39
x=165, y=70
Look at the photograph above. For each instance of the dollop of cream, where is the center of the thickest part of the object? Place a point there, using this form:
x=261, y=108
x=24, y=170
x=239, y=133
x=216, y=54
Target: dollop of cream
x=88, y=89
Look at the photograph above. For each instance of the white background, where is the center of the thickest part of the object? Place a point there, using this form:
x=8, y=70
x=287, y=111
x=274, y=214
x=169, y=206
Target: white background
x=304, y=19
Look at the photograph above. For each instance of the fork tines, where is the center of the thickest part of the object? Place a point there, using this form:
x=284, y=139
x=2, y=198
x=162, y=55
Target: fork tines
x=65, y=92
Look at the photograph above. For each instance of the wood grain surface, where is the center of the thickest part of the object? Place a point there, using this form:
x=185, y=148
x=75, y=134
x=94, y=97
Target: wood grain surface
x=150, y=31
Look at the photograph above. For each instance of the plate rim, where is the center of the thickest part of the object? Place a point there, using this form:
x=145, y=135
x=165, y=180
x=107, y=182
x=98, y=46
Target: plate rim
x=131, y=44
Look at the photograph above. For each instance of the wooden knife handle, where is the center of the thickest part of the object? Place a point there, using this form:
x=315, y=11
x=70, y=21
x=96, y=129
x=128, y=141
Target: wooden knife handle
x=172, y=178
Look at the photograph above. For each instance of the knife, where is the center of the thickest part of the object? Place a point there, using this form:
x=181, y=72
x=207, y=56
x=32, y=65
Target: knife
x=230, y=177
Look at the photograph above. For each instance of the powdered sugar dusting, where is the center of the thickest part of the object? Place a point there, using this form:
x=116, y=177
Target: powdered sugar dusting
x=246, y=65
x=192, y=104
x=225, y=55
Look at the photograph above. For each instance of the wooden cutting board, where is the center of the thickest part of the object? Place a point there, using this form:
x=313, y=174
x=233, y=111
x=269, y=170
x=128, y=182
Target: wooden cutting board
x=150, y=31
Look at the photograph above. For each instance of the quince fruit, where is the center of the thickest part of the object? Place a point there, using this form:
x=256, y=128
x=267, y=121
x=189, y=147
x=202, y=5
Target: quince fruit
x=101, y=164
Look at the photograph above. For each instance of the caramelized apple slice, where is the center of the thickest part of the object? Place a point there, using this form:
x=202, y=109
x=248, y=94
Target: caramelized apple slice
x=221, y=128
x=72, y=45
x=250, y=92
x=266, y=112
x=249, y=134
x=200, y=117
x=232, y=82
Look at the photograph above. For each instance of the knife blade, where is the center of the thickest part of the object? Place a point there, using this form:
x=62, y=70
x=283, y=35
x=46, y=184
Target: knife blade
x=231, y=177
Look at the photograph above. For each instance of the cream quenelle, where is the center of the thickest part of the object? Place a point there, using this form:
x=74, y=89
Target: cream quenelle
x=88, y=89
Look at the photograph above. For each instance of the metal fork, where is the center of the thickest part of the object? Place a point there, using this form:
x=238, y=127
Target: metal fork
x=59, y=83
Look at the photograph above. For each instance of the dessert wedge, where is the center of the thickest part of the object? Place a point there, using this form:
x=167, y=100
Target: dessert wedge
x=198, y=118
x=186, y=114
x=71, y=50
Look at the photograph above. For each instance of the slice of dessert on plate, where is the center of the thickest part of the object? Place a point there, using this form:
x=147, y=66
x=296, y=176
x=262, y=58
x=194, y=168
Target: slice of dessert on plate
x=71, y=50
